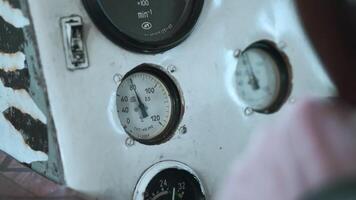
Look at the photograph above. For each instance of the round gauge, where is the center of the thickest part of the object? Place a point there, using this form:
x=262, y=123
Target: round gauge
x=149, y=26
x=169, y=180
x=149, y=104
x=262, y=77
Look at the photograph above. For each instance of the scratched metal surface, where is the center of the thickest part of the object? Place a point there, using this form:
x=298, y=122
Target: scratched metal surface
x=26, y=127
x=92, y=141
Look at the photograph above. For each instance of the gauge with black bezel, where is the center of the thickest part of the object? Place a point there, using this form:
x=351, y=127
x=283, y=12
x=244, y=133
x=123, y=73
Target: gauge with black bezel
x=149, y=104
x=169, y=180
x=263, y=78
x=148, y=26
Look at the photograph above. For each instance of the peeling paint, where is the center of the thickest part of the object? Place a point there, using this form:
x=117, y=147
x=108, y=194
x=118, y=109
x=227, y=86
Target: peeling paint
x=33, y=131
x=12, y=140
x=17, y=79
x=18, y=139
x=21, y=100
x=15, y=145
x=27, y=130
x=12, y=15
x=12, y=61
x=11, y=38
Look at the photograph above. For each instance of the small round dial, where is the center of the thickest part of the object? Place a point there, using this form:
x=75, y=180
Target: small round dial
x=169, y=180
x=262, y=78
x=148, y=105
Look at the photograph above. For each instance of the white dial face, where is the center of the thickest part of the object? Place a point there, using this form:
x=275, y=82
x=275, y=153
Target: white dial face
x=144, y=106
x=257, y=79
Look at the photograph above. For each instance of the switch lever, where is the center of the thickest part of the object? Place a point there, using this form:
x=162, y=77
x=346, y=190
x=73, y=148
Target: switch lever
x=74, y=45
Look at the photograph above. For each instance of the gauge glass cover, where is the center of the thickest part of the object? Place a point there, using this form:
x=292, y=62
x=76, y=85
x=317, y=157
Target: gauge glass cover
x=262, y=78
x=148, y=105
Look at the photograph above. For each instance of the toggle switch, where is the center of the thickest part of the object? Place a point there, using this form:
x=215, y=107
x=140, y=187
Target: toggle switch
x=74, y=45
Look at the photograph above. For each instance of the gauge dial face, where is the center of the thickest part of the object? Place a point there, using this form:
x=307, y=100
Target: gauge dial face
x=261, y=78
x=149, y=23
x=146, y=107
x=147, y=20
x=169, y=180
x=173, y=184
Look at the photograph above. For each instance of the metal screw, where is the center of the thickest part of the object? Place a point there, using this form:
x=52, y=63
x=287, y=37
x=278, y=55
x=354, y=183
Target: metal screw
x=183, y=130
x=282, y=45
x=117, y=78
x=292, y=100
x=237, y=53
x=249, y=111
x=172, y=68
x=129, y=142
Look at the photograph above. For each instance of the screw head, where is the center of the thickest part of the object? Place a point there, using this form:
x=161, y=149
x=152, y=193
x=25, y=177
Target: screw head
x=237, y=53
x=117, y=78
x=183, y=130
x=129, y=142
x=172, y=68
x=292, y=100
x=249, y=111
x=282, y=45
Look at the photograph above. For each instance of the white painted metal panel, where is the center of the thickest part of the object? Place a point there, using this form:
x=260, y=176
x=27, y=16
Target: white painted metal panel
x=95, y=157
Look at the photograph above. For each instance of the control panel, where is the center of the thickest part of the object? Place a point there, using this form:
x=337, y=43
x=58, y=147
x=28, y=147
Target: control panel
x=173, y=90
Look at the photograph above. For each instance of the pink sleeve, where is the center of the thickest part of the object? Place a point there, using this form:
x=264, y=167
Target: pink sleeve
x=315, y=144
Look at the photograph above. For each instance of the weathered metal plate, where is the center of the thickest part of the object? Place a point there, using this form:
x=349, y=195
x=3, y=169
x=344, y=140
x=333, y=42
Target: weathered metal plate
x=26, y=128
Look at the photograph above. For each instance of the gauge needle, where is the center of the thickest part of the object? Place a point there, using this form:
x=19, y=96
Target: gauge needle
x=174, y=193
x=141, y=106
x=252, y=77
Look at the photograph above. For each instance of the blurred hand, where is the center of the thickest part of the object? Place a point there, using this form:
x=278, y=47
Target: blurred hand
x=331, y=26
x=315, y=144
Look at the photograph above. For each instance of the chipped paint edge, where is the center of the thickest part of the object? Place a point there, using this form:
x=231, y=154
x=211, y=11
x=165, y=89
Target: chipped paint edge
x=12, y=15
x=12, y=140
